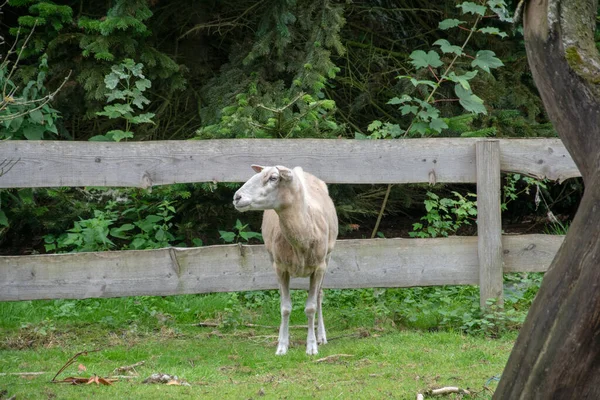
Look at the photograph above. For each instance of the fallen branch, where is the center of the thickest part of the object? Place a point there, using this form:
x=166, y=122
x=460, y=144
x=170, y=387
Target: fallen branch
x=333, y=357
x=216, y=325
x=447, y=390
x=22, y=373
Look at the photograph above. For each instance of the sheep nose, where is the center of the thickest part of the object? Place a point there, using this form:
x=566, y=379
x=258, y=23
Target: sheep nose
x=237, y=197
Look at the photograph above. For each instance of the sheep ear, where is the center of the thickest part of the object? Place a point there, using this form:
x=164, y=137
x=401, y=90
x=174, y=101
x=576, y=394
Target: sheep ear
x=285, y=173
x=257, y=168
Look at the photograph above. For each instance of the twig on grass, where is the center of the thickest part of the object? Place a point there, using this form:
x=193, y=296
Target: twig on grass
x=445, y=390
x=128, y=368
x=72, y=360
x=333, y=358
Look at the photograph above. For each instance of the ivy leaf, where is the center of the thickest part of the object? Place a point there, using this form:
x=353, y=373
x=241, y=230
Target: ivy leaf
x=420, y=59
x=485, y=59
x=450, y=23
x=463, y=80
x=493, y=31
x=469, y=101
x=469, y=7
x=447, y=47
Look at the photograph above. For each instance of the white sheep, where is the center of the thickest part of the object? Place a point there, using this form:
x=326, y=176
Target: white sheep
x=299, y=228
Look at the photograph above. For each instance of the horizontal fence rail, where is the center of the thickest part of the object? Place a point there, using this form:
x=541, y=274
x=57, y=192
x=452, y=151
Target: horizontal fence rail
x=355, y=263
x=145, y=164
x=171, y=271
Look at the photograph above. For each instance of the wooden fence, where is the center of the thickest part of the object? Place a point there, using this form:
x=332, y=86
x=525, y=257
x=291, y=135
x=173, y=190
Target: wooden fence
x=355, y=263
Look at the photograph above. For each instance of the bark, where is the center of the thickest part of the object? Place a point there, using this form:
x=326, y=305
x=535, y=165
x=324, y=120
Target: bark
x=557, y=353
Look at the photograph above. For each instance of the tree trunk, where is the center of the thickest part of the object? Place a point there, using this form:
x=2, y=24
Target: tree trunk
x=557, y=353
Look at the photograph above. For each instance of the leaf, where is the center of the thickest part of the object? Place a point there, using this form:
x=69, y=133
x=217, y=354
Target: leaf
x=100, y=138
x=463, y=80
x=420, y=59
x=34, y=132
x=3, y=218
x=469, y=101
x=438, y=124
x=142, y=84
x=111, y=81
x=142, y=119
x=447, y=47
x=450, y=23
x=409, y=109
x=37, y=117
x=472, y=8
x=493, y=31
x=116, y=110
x=228, y=237
x=117, y=135
x=401, y=100
x=485, y=59
x=374, y=125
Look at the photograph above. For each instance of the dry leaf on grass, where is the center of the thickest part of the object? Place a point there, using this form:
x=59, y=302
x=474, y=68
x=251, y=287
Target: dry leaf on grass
x=98, y=380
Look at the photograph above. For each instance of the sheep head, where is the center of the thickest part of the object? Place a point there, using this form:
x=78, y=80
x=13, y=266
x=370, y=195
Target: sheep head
x=264, y=190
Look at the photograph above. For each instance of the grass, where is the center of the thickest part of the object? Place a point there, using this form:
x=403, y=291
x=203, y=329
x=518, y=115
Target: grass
x=375, y=351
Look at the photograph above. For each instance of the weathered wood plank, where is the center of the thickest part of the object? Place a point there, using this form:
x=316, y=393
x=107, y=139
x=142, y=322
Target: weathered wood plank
x=355, y=264
x=489, y=221
x=144, y=164
x=541, y=158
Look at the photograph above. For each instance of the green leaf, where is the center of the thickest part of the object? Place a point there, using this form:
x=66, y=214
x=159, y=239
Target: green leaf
x=493, y=31
x=409, y=109
x=115, y=110
x=416, y=83
x=117, y=135
x=438, y=124
x=447, y=47
x=469, y=7
x=401, y=100
x=450, y=23
x=100, y=138
x=142, y=84
x=374, y=125
x=111, y=81
x=463, y=80
x=3, y=218
x=485, y=59
x=34, y=132
x=420, y=59
x=227, y=237
x=37, y=117
x=469, y=101
x=142, y=119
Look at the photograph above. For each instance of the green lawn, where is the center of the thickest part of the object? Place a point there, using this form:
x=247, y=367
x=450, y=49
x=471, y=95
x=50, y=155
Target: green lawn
x=377, y=357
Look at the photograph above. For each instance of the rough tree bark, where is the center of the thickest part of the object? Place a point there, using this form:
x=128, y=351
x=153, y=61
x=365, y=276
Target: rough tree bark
x=557, y=354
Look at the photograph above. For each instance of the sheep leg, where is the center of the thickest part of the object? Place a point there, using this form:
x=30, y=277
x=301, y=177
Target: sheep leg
x=311, y=308
x=321, y=336
x=286, y=309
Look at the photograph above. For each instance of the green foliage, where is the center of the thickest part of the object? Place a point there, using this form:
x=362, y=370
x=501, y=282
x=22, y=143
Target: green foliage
x=277, y=88
x=426, y=119
x=445, y=215
x=126, y=83
x=120, y=225
x=240, y=233
x=517, y=184
x=25, y=112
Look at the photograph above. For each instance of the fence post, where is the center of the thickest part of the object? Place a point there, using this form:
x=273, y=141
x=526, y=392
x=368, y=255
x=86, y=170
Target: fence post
x=489, y=221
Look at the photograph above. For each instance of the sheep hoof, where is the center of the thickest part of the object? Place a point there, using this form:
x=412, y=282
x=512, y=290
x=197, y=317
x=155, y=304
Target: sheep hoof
x=311, y=349
x=281, y=350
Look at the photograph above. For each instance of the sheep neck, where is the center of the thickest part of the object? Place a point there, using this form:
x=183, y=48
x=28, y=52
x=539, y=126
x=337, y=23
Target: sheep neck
x=294, y=221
